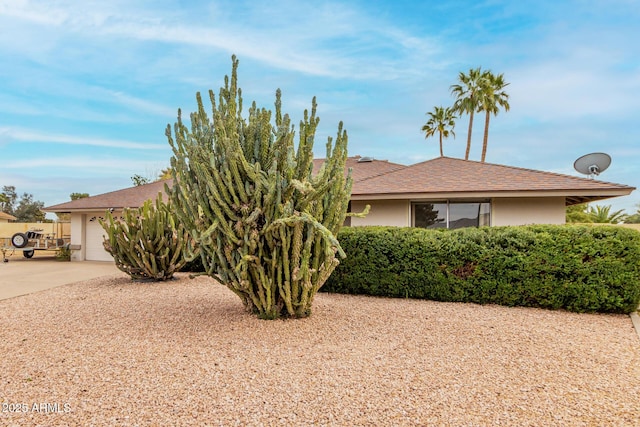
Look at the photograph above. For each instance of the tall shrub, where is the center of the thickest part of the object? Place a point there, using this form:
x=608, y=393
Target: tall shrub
x=261, y=222
x=146, y=243
x=578, y=268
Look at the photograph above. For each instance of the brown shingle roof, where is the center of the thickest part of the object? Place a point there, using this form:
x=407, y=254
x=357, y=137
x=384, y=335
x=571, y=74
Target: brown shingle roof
x=428, y=179
x=363, y=168
x=448, y=175
x=132, y=197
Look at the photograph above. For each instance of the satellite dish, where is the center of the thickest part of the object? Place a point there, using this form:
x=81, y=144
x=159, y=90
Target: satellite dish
x=365, y=159
x=592, y=164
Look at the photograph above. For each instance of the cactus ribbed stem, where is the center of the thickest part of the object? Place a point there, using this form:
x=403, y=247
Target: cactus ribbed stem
x=146, y=243
x=262, y=224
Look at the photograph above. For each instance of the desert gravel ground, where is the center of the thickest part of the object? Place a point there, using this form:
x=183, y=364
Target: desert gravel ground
x=112, y=352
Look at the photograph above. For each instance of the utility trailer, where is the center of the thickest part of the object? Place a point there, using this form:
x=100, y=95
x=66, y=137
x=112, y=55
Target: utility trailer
x=33, y=240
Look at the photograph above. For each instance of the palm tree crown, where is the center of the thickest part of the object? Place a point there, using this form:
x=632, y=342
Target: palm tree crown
x=490, y=98
x=467, y=99
x=603, y=215
x=441, y=120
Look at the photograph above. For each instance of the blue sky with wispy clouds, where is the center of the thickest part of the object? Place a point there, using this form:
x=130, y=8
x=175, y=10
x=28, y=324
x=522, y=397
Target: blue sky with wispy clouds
x=88, y=87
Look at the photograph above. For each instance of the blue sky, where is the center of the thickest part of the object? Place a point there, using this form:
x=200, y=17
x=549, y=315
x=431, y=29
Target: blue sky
x=88, y=87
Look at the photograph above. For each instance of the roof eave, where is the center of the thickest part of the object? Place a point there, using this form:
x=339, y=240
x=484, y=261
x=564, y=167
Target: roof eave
x=588, y=195
x=53, y=209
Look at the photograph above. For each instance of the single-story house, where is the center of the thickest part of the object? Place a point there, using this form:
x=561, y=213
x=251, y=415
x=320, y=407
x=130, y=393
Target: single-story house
x=5, y=217
x=437, y=193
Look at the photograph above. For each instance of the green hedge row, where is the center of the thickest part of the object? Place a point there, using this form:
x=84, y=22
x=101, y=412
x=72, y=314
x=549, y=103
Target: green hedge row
x=578, y=268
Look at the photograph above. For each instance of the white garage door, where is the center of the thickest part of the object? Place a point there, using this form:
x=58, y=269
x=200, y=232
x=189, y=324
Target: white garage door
x=93, y=239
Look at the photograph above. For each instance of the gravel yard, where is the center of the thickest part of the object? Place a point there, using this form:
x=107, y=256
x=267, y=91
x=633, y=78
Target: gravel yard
x=112, y=352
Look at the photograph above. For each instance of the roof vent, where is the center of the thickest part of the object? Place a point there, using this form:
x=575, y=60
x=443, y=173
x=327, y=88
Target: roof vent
x=365, y=159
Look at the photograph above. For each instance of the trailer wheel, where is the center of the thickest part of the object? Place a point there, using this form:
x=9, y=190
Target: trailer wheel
x=28, y=254
x=19, y=240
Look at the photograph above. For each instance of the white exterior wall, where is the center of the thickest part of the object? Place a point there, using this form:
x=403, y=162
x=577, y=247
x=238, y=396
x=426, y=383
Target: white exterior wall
x=532, y=210
x=77, y=237
x=383, y=212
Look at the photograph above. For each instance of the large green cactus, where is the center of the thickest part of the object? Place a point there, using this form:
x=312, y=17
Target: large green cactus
x=146, y=243
x=261, y=222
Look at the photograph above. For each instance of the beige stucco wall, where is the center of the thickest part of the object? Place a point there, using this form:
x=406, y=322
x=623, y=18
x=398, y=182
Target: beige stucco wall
x=60, y=229
x=77, y=237
x=508, y=211
x=383, y=212
x=533, y=210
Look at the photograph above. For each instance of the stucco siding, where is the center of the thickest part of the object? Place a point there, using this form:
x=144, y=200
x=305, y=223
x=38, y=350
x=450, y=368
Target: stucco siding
x=508, y=211
x=77, y=237
x=383, y=212
x=522, y=211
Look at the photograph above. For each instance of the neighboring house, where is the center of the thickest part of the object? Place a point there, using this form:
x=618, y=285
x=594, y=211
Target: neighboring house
x=5, y=217
x=438, y=193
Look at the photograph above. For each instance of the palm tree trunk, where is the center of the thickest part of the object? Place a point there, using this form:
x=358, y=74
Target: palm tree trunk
x=486, y=137
x=466, y=155
x=441, y=153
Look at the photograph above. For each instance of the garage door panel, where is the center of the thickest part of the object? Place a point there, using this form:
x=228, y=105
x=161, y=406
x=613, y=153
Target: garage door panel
x=94, y=237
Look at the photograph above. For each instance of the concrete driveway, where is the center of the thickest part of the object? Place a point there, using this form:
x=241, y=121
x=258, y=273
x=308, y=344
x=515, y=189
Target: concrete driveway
x=21, y=276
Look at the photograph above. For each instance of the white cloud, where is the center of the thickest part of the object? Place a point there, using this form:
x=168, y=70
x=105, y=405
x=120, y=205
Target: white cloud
x=136, y=104
x=307, y=43
x=79, y=165
x=569, y=89
x=28, y=11
x=8, y=134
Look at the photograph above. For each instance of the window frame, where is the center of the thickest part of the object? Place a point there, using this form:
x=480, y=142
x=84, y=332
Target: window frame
x=448, y=203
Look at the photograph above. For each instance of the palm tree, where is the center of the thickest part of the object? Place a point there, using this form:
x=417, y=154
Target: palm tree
x=491, y=98
x=165, y=173
x=441, y=120
x=467, y=100
x=603, y=215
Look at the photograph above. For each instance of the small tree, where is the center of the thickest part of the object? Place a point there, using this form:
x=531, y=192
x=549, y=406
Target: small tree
x=77, y=196
x=577, y=214
x=262, y=223
x=146, y=243
x=139, y=180
x=29, y=210
x=8, y=199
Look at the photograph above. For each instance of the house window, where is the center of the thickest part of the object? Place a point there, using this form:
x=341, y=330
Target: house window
x=430, y=215
x=448, y=214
